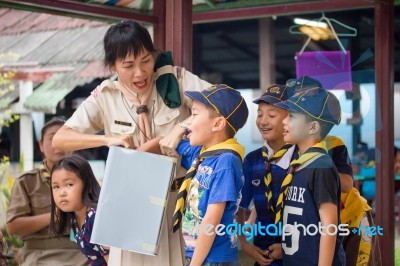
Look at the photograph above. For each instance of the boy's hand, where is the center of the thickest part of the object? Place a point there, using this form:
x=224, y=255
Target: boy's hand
x=257, y=254
x=171, y=141
x=275, y=251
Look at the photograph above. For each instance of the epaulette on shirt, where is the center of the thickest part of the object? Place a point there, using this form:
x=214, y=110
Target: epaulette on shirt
x=106, y=84
x=30, y=172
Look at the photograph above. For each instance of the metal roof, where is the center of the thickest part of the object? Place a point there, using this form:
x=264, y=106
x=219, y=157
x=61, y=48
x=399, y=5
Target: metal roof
x=54, y=43
x=16, y=22
x=46, y=98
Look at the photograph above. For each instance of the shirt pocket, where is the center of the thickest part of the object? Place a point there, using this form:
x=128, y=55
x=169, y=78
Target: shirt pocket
x=164, y=123
x=121, y=129
x=40, y=204
x=167, y=118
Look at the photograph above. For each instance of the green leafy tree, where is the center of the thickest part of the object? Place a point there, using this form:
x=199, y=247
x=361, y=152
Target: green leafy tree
x=6, y=87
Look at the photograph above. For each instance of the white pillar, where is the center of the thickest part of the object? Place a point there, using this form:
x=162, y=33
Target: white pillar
x=26, y=128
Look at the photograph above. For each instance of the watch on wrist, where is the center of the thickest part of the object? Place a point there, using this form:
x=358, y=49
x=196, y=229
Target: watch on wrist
x=183, y=124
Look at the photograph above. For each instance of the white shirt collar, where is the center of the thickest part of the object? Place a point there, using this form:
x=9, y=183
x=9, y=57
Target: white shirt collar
x=283, y=162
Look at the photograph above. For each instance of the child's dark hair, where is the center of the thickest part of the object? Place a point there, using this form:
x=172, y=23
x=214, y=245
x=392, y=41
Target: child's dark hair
x=55, y=121
x=61, y=221
x=325, y=126
x=124, y=38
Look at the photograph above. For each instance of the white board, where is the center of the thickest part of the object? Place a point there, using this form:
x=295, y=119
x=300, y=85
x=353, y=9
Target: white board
x=132, y=200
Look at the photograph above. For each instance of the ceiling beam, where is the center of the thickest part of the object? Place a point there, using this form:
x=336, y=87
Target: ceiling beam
x=34, y=74
x=38, y=77
x=281, y=9
x=84, y=10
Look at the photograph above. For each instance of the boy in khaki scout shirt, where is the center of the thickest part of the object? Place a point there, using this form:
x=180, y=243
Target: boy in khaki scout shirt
x=28, y=214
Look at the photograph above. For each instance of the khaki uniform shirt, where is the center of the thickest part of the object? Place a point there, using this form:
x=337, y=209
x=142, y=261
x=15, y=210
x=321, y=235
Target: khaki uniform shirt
x=31, y=196
x=112, y=112
x=105, y=112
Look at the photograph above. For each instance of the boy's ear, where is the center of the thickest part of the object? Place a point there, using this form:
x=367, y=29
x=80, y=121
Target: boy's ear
x=315, y=128
x=219, y=124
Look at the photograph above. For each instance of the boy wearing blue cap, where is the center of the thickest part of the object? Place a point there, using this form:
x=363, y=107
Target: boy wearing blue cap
x=209, y=195
x=312, y=186
x=337, y=150
x=264, y=170
x=355, y=211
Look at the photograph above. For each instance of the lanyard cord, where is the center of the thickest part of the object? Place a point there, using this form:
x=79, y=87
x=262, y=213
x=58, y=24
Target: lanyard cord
x=124, y=101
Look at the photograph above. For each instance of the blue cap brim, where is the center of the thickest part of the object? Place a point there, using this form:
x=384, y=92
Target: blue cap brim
x=290, y=106
x=267, y=99
x=196, y=95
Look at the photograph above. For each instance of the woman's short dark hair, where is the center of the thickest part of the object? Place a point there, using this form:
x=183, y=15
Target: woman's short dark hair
x=55, y=121
x=61, y=221
x=124, y=38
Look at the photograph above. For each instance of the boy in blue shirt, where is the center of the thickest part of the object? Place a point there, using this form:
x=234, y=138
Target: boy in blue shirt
x=210, y=193
x=312, y=185
x=264, y=170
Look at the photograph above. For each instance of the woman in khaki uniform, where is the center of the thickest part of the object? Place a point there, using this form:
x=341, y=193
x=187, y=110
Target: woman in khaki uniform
x=145, y=102
x=28, y=214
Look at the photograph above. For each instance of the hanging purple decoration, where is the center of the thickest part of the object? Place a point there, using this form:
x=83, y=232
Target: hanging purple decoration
x=331, y=68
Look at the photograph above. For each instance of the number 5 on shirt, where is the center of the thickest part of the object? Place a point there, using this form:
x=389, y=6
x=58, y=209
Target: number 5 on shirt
x=290, y=230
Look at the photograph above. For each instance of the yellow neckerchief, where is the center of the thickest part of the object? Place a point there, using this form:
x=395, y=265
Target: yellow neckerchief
x=312, y=152
x=354, y=205
x=268, y=176
x=355, y=213
x=228, y=146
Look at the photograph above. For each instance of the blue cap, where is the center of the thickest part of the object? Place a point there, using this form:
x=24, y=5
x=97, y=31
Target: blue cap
x=318, y=103
x=227, y=101
x=303, y=83
x=273, y=94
